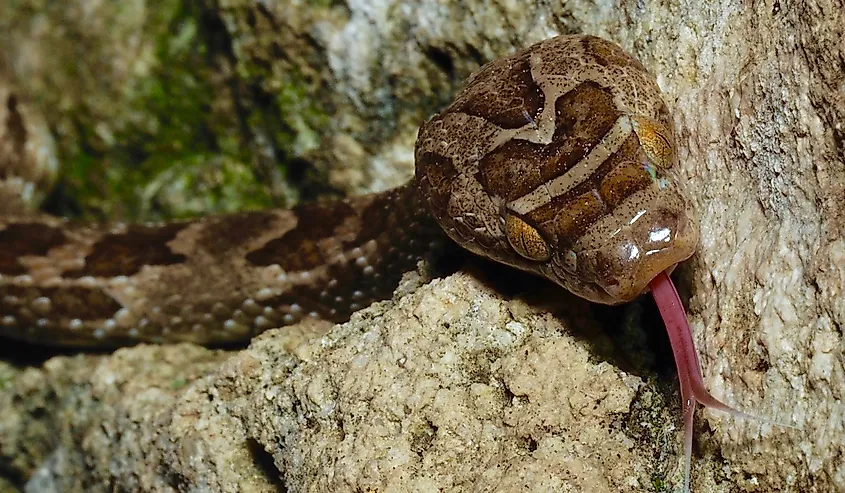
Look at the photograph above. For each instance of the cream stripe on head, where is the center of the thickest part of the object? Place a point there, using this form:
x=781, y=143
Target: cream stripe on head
x=582, y=171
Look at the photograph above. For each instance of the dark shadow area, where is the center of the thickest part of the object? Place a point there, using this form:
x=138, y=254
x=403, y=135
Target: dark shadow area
x=21, y=353
x=14, y=477
x=264, y=461
x=447, y=260
x=24, y=353
x=59, y=202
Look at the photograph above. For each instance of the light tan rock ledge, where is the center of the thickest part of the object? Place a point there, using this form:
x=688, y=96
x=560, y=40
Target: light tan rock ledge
x=448, y=387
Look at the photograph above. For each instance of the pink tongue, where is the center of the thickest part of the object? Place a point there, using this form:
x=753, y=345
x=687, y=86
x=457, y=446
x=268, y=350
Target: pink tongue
x=686, y=359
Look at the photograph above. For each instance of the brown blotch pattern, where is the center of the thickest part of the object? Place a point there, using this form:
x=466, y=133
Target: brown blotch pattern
x=124, y=254
x=22, y=239
x=629, y=151
x=582, y=118
x=71, y=302
x=224, y=234
x=576, y=220
x=511, y=105
x=623, y=181
x=403, y=232
x=435, y=174
x=511, y=170
x=581, y=213
x=299, y=249
x=503, y=93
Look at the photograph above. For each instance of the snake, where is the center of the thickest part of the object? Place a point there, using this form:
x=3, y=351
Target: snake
x=559, y=160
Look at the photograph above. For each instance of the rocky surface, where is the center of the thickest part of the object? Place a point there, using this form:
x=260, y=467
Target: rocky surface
x=447, y=385
x=758, y=97
x=27, y=151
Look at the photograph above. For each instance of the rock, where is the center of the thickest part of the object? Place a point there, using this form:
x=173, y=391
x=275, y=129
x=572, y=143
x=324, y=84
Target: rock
x=449, y=385
x=141, y=418
x=757, y=95
x=27, y=150
x=760, y=111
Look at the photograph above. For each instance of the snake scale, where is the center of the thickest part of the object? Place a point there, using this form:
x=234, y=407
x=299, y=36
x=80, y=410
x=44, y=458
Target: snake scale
x=558, y=160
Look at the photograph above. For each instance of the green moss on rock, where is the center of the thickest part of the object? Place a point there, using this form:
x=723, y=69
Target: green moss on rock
x=154, y=115
x=178, y=151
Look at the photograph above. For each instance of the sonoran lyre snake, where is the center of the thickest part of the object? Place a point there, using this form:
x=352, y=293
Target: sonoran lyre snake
x=558, y=160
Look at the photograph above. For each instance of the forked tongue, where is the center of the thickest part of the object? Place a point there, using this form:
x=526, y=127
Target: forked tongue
x=686, y=359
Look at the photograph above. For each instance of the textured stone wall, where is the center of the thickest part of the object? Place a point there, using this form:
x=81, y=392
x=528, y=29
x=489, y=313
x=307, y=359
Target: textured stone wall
x=509, y=395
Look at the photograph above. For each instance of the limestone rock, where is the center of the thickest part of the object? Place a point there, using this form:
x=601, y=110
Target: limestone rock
x=758, y=97
x=447, y=386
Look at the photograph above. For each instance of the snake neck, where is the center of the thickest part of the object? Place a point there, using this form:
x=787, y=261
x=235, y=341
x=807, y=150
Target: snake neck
x=213, y=280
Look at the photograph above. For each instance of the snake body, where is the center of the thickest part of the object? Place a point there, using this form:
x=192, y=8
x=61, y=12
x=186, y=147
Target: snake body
x=558, y=160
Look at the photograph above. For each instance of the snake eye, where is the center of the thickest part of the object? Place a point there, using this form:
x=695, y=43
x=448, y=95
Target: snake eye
x=525, y=239
x=654, y=138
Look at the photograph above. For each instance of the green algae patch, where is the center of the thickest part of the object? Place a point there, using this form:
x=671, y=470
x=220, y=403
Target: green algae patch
x=153, y=114
x=179, y=150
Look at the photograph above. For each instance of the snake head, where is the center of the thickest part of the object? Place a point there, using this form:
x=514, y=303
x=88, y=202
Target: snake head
x=633, y=224
x=560, y=160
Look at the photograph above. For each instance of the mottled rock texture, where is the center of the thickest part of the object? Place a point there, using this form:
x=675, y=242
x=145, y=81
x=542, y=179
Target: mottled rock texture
x=338, y=89
x=447, y=386
x=27, y=151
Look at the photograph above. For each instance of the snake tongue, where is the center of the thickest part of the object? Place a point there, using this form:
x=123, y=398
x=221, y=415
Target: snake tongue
x=686, y=360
